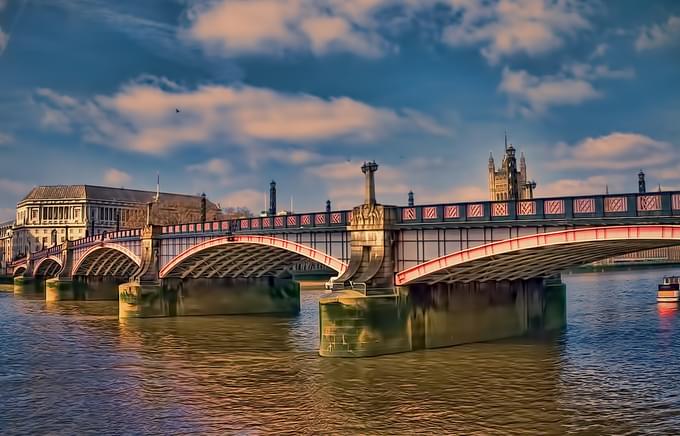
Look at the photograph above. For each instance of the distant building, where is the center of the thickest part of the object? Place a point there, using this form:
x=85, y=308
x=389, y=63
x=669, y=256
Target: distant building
x=5, y=244
x=508, y=182
x=50, y=214
x=664, y=255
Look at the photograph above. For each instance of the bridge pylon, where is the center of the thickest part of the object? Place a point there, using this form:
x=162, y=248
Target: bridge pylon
x=371, y=265
x=61, y=287
x=365, y=292
x=26, y=277
x=141, y=296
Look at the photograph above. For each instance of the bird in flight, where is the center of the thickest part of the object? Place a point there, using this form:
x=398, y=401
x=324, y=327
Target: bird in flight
x=177, y=110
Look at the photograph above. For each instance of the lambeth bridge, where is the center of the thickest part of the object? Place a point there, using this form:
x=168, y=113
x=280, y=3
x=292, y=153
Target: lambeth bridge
x=402, y=278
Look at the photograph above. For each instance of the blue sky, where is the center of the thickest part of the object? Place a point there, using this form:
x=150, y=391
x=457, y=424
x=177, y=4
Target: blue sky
x=302, y=91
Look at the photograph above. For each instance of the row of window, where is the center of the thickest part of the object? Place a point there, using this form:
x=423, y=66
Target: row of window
x=50, y=213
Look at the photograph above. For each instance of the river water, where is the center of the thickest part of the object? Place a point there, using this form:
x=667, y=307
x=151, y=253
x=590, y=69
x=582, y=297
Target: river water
x=74, y=368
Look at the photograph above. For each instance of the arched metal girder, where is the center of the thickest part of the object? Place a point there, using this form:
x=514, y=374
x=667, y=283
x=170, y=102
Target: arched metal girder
x=47, y=267
x=244, y=256
x=539, y=255
x=19, y=271
x=107, y=260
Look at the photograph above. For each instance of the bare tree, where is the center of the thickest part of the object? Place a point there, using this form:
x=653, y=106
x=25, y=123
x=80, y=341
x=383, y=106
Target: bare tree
x=231, y=213
x=167, y=214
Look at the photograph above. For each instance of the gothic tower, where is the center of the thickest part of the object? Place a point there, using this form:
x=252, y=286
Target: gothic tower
x=509, y=182
x=492, y=177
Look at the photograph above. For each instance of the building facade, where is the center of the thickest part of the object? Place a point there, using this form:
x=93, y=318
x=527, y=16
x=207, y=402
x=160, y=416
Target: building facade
x=667, y=255
x=49, y=215
x=6, y=230
x=509, y=182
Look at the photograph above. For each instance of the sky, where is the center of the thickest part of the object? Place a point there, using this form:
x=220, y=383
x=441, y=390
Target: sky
x=304, y=91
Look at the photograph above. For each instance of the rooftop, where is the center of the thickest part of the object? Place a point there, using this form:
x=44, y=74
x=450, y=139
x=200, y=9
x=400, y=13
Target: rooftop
x=106, y=193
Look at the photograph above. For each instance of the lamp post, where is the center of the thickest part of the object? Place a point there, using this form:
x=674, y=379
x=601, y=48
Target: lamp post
x=369, y=168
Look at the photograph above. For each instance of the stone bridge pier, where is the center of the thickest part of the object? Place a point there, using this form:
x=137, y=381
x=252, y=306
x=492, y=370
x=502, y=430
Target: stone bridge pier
x=188, y=286
x=366, y=314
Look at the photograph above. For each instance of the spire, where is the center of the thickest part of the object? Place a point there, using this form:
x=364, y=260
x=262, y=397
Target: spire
x=506, y=139
x=158, y=187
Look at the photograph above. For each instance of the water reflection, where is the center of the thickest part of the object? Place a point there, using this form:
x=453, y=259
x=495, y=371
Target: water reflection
x=74, y=367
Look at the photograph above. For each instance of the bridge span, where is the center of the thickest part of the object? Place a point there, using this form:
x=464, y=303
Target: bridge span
x=488, y=269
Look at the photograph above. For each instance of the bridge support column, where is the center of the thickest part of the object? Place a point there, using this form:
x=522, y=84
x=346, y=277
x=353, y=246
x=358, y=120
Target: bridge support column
x=432, y=316
x=26, y=280
x=82, y=288
x=187, y=297
x=28, y=285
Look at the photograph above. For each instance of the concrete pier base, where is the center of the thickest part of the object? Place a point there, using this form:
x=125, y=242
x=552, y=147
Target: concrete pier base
x=442, y=315
x=59, y=289
x=28, y=285
x=187, y=297
x=23, y=281
x=82, y=289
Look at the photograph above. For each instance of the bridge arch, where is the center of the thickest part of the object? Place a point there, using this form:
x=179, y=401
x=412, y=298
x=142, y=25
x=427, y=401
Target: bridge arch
x=19, y=270
x=47, y=267
x=107, y=259
x=539, y=255
x=247, y=256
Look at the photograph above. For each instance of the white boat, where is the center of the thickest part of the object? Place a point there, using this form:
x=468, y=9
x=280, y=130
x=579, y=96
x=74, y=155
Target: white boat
x=669, y=290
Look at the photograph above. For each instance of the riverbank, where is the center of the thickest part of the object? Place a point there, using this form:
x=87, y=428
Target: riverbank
x=622, y=267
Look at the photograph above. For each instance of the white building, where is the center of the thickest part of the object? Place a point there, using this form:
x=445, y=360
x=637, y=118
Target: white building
x=49, y=213
x=5, y=244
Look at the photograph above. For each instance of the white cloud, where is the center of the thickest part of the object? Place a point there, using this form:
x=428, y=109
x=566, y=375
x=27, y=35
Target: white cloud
x=533, y=95
x=456, y=194
x=274, y=26
x=659, y=35
x=4, y=40
x=116, y=177
x=590, y=72
x=142, y=117
x=5, y=138
x=583, y=186
x=501, y=27
x=508, y=27
x=291, y=156
x=216, y=167
x=600, y=50
x=248, y=198
x=667, y=174
x=615, y=151
x=345, y=184
x=212, y=171
x=4, y=37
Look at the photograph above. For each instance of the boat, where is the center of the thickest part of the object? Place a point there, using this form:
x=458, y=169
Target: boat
x=669, y=290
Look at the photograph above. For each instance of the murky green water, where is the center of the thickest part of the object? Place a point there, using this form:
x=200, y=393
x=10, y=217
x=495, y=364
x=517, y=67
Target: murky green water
x=74, y=368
